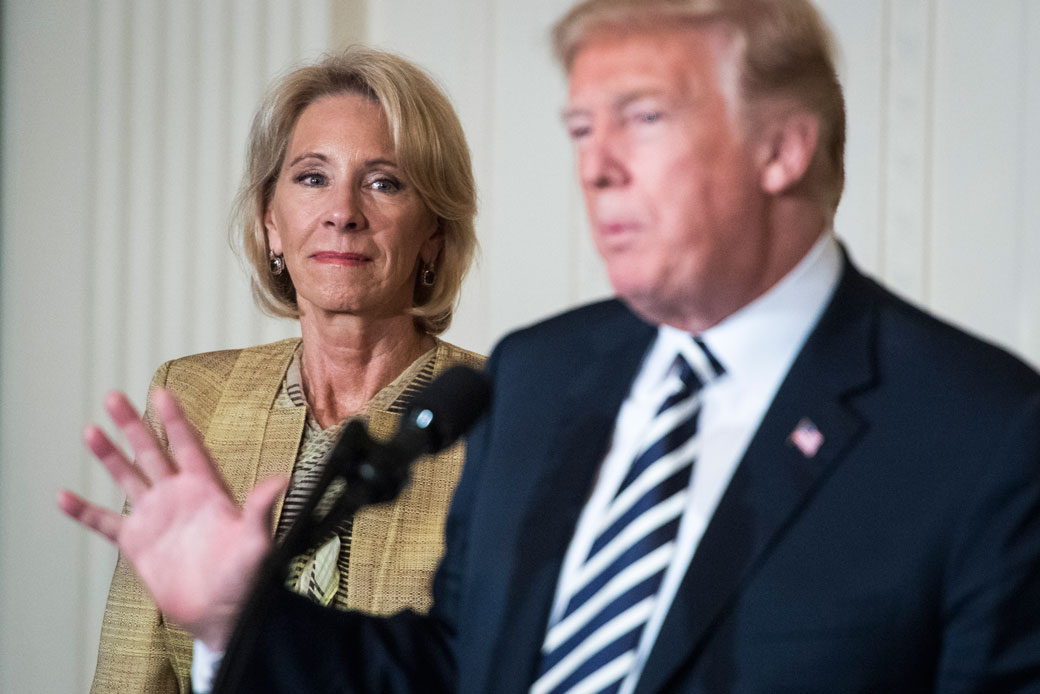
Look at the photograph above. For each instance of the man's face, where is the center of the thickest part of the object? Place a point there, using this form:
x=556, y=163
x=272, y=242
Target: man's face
x=671, y=184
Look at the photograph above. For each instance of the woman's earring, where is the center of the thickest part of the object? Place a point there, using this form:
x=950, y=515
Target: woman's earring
x=277, y=263
x=429, y=276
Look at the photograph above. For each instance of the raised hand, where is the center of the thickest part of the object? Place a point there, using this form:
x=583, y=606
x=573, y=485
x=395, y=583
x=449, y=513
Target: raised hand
x=194, y=549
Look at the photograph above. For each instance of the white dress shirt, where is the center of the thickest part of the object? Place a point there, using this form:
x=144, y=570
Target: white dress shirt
x=204, y=666
x=756, y=345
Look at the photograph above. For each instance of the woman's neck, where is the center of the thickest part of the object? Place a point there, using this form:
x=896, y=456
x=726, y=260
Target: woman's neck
x=347, y=360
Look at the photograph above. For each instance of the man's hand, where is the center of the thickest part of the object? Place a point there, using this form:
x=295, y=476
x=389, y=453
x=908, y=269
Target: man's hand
x=195, y=550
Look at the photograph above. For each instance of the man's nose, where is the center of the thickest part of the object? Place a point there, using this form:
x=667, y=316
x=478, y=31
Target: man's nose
x=602, y=160
x=345, y=212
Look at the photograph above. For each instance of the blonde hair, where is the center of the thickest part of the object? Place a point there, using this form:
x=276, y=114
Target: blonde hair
x=786, y=54
x=431, y=152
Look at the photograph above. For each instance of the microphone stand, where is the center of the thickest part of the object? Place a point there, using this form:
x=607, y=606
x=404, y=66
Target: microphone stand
x=364, y=472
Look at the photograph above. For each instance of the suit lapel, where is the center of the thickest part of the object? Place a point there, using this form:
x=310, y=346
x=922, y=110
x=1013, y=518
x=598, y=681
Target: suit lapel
x=593, y=399
x=774, y=480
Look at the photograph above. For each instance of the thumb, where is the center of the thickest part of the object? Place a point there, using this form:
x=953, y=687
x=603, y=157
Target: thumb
x=259, y=505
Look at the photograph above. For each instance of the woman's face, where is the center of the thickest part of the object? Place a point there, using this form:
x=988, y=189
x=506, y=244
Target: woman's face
x=351, y=227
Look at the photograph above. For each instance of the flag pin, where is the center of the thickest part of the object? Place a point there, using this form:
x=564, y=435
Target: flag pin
x=806, y=437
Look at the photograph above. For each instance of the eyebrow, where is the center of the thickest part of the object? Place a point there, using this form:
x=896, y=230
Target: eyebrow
x=380, y=162
x=308, y=155
x=568, y=113
x=618, y=103
x=321, y=157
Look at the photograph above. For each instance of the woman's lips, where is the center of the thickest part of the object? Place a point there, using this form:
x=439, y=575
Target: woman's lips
x=336, y=258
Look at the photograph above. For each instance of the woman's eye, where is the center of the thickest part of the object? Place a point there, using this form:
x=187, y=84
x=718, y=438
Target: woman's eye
x=385, y=185
x=311, y=179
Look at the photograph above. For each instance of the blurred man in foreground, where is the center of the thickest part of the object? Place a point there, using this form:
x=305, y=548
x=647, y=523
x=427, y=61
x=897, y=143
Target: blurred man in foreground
x=757, y=471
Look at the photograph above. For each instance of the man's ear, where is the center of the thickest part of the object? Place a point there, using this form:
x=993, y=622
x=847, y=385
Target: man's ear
x=788, y=150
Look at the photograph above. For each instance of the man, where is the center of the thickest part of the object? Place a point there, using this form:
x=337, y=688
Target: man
x=853, y=503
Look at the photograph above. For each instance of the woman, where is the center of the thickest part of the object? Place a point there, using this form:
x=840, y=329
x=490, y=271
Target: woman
x=356, y=216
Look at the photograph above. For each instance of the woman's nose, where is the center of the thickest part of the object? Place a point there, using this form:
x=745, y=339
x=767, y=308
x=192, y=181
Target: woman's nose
x=345, y=213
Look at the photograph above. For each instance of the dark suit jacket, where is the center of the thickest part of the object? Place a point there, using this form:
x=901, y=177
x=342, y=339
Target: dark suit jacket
x=903, y=557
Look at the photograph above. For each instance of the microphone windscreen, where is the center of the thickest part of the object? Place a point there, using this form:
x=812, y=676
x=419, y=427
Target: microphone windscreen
x=449, y=406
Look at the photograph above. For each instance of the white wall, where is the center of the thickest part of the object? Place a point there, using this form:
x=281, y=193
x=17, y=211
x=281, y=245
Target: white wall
x=123, y=126
x=944, y=157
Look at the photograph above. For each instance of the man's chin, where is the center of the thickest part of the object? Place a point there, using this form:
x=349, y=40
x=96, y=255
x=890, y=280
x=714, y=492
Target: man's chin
x=656, y=308
x=641, y=302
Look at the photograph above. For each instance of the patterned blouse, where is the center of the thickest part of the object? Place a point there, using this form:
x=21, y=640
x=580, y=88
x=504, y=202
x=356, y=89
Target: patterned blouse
x=321, y=573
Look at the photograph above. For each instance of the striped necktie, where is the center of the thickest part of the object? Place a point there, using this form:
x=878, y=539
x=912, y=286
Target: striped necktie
x=594, y=643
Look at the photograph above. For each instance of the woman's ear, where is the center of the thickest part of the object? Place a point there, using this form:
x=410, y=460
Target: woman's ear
x=788, y=151
x=274, y=239
x=432, y=246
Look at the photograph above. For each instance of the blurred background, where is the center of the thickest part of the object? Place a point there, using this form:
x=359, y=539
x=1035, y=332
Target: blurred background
x=122, y=131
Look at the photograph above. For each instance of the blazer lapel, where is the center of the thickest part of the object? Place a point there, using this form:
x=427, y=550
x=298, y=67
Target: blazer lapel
x=245, y=435
x=774, y=480
x=559, y=495
x=374, y=528
x=281, y=441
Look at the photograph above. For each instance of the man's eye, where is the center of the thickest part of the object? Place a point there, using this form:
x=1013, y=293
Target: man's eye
x=578, y=132
x=648, y=116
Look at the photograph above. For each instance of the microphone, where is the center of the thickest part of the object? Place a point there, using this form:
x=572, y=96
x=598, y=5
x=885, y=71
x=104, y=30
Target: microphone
x=446, y=409
x=360, y=470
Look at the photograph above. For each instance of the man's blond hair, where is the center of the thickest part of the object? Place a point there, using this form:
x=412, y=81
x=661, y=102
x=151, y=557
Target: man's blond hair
x=785, y=53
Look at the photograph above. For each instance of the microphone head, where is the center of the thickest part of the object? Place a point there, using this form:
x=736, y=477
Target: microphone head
x=447, y=408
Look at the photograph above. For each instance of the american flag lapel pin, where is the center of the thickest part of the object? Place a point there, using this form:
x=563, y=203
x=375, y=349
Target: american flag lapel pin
x=806, y=437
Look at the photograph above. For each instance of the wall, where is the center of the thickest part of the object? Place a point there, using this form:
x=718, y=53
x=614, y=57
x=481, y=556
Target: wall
x=123, y=126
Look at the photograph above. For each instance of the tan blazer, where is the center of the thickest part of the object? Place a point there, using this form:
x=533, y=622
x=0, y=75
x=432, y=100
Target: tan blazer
x=229, y=396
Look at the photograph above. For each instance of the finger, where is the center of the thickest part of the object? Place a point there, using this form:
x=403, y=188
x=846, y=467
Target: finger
x=127, y=475
x=259, y=507
x=101, y=520
x=184, y=439
x=148, y=453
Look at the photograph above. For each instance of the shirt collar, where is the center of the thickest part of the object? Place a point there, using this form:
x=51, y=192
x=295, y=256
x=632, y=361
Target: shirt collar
x=760, y=340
